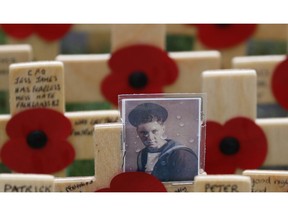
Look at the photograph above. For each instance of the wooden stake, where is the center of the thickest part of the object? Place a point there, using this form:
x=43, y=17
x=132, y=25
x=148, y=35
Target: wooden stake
x=108, y=153
x=230, y=93
x=191, y=65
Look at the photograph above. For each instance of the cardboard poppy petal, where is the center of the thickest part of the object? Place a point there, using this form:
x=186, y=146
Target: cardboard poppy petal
x=54, y=123
x=279, y=83
x=252, y=140
x=134, y=182
x=216, y=161
x=172, y=71
x=18, y=157
x=222, y=167
x=159, y=68
x=214, y=133
x=51, y=32
x=18, y=31
x=131, y=58
x=152, y=60
x=254, y=145
x=53, y=156
x=224, y=36
x=136, y=57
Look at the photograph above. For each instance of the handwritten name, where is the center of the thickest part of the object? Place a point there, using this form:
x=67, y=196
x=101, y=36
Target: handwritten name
x=221, y=188
x=27, y=188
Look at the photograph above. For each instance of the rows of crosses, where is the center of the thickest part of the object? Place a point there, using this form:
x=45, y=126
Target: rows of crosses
x=89, y=70
x=81, y=69
x=93, y=68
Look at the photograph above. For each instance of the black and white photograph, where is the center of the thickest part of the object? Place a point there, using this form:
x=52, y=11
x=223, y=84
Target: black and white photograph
x=161, y=136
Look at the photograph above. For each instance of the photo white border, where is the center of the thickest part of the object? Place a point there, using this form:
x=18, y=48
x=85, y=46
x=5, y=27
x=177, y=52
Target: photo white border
x=155, y=98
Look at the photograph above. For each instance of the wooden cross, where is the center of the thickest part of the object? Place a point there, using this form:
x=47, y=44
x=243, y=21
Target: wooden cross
x=269, y=111
x=264, y=66
x=232, y=93
x=108, y=161
x=88, y=70
x=41, y=84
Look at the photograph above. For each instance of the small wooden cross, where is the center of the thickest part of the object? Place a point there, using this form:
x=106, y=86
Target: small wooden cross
x=265, y=66
x=41, y=84
x=232, y=93
x=108, y=161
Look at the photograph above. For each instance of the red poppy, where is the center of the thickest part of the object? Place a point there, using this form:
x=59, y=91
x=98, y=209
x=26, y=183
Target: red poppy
x=279, y=83
x=138, y=69
x=48, y=32
x=38, y=142
x=134, y=182
x=239, y=143
x=222, y=36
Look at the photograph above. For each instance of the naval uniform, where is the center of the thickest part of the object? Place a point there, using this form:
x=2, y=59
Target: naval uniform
x=175, y=162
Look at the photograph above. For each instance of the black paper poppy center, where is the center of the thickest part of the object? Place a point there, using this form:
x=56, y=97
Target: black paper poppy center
x=37, y=139
x=138, y=79
x=229, y=145
x=223, y=26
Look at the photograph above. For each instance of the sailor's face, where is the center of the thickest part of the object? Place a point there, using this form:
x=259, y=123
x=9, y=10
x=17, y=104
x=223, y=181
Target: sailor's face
x=152, y=135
